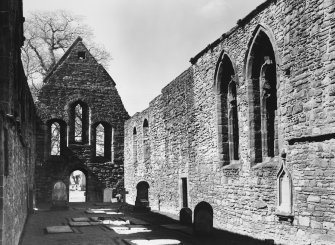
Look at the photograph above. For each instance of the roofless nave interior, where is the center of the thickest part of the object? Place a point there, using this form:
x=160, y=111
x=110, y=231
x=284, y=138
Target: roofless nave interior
x=242, y=141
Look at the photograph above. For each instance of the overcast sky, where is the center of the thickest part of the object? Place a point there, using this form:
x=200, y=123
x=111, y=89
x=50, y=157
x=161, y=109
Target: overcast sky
x=151, y=41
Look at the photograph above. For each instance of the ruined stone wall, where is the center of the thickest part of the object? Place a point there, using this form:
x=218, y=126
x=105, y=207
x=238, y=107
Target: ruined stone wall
x=84, y=80
x=17, y=128
x=183, y=127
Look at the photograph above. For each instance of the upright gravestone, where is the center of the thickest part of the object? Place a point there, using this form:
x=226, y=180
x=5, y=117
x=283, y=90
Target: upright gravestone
x=108, y=194
x=185, y=216
x=59, y=196
x=203, y=221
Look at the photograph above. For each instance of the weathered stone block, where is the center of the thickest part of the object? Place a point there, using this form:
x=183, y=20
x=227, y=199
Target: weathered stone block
x=312, y=198
x=304, y=221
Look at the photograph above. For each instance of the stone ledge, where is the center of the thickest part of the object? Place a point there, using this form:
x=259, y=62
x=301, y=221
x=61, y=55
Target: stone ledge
x=234, y=165
x=284, y=216
x=271, y=163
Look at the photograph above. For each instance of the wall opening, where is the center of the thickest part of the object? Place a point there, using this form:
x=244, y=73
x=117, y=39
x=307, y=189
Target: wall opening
x=184, y=192
x=227, y=111
x=262, y=90
x=55, y=139
x=77, y=187
x=79, y=123
x=78, y=128
x=142, y=197
x=113, y=145
x=102, y=137
x=134, y=145
x=100, y=141
x=81, y=55
x=146, y=141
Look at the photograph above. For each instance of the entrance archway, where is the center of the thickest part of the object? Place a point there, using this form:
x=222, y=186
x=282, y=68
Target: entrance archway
x=77, y=187
x=142, y=198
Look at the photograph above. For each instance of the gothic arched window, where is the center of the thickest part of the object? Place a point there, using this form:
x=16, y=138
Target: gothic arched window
x=146, y=141
x=79, y=123
x=262, y=90
x=55, y=139
x=78, y=126
x=100, y=140
x=228, y=131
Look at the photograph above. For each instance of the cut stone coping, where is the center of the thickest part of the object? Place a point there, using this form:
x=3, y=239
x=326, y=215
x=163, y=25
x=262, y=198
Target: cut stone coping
x=179, y=227
x=135, y=221
x=79, y=223
x=59, y=229
x=152, y=242
x=81, y=219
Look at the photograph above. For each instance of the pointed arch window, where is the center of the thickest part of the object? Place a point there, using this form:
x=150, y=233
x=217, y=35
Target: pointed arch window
x=146, y=141
x=227, y=111
x=55, y=139
x=262, y=91
x=57, y=136
x=79, y=123
x=78, y=128
x=100, y=140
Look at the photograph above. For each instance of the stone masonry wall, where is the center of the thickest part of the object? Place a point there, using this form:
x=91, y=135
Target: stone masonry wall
x=18, y=122
x=183, y=130
x=71, y=80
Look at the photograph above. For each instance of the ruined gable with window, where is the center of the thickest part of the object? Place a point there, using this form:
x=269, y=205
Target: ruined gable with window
x=245, y=137
x=83, y=132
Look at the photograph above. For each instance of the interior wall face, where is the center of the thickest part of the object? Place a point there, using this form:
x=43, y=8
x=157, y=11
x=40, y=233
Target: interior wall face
x=184, y=131
x=18, y=123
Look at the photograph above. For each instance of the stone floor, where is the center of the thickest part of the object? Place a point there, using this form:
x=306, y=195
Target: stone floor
x=145, y=228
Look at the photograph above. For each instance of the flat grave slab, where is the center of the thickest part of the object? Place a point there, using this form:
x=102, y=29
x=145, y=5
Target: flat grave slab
x=135, y=221
x=101, y=211
x=95, y=222
x=59, y=229
x=81, y=219
x=79, y=223
x=152, y=242
x=123, y=230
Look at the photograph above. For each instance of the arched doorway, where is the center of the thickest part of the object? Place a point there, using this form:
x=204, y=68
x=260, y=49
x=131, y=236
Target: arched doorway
x=77, y=187
x=142, y=197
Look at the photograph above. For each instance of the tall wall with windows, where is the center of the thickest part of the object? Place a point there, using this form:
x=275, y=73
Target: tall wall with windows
x=83, y=126
x=18, y=123
x=248, y=131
